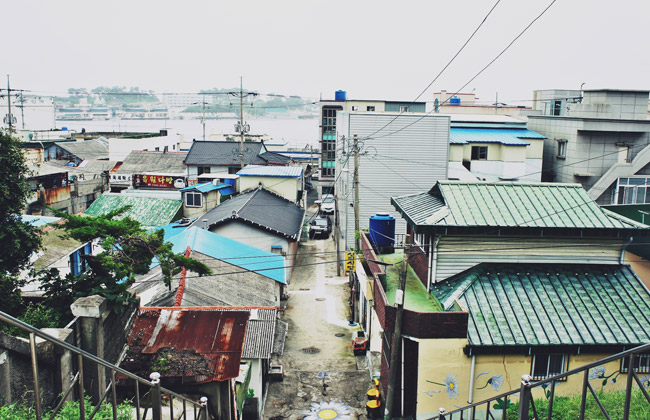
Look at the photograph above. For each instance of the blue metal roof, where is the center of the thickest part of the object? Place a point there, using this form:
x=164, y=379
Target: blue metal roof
x=273, y=171
x=236, y=253
x=205, y=187
x=507, y=136
x=39, y=220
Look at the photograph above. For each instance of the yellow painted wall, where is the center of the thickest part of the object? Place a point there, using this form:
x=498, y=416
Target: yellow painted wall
x=536, y=149
x=284, y=186
x=456, y=152
x=496, y=152
x=640, y=266
x=444, y=375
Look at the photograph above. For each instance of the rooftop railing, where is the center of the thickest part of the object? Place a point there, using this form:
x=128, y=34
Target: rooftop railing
x=527, y=403
x=147, y=395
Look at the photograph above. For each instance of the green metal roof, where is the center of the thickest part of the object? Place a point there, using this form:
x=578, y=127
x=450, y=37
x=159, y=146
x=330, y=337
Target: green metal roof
x=543, y=304
x=508, y=204
x=150, y=212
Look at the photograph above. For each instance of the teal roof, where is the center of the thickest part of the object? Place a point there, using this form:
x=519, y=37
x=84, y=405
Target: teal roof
x=507, y=136
x=205, y=187
x=508, y=204
x=150, y=212
x=236, y=253
x=39, y=220
x=543, y=304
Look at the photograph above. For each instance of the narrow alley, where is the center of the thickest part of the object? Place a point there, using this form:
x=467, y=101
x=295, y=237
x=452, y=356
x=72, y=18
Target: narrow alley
x=322, y=377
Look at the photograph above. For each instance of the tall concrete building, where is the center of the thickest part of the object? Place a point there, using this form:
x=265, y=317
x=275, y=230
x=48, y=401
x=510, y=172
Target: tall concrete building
x=602, y=142
x=328, y=128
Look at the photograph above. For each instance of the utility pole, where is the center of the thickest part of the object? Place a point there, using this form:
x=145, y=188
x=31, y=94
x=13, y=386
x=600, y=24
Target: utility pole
x=337, y=231
x=241, y=118
x=203, y=118
x=496, y=104
x=395, y=347
x=357, y=229
x=241, y=127
x=22, y=107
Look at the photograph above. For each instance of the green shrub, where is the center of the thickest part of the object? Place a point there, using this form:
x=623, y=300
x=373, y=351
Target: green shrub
x=568, y=408
x=70, y=411
x=39, y=316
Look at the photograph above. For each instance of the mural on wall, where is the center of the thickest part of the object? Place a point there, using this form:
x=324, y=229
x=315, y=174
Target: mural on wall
x=600, y=372
x=450, y=384
x=495, y=381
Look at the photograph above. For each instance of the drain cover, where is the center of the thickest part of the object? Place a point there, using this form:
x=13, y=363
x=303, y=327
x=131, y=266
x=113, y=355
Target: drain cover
x=320, y=299
x=339, y=335
x=311, y=350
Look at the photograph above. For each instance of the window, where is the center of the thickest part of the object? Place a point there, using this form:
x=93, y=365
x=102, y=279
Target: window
x=479, y=152
x=157, y=149
x=370, y=108
x=561, y=148
x=632, y=191
x=404, y=108
x=557, y=107
x=203, y=170
x=355, y=108
x=641, y=363
x=192, y=199
x=547, y=365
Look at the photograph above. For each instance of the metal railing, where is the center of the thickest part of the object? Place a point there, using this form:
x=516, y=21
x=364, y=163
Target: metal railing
x=527, y=403
x=151, y=398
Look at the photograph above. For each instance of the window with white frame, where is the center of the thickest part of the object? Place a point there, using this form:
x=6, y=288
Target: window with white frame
x=192, y=199
x=370, y=108
x=355, y=108
x=479, y=152
x=561, y=148
x=404, y=108
x=641, y=363
x=546, y=365
x=632, y=191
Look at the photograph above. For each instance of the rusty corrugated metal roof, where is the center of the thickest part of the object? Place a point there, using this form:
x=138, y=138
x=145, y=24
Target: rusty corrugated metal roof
x=198, y=345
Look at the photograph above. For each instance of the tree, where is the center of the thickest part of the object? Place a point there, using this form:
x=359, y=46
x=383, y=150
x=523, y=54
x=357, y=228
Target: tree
x=18, y=240
x=128, y=251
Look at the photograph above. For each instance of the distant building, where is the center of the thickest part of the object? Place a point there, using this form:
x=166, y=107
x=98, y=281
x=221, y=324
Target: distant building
x=214, y=157
x=184, y=100
x=601, y=142
x=467, y=103
x=328, y=129
x=494, y=148
x=555, y=101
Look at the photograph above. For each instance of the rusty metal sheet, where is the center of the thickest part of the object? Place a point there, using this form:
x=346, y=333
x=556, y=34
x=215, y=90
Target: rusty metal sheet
x=199, y=345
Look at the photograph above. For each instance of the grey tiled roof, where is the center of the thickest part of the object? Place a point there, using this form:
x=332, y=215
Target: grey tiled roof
x=87, y=149
x=226, y=153
x=223, y=153
x=259, y=208
x=140, y=162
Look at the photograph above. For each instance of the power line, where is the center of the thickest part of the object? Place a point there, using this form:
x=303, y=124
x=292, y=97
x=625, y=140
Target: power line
x=371, y=136
x=446, y=66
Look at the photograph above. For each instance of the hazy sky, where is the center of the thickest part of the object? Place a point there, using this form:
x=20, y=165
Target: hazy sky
x=373, y=49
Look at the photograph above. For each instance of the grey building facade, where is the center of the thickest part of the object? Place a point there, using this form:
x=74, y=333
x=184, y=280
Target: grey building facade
x=407, y=156
x=603, y=143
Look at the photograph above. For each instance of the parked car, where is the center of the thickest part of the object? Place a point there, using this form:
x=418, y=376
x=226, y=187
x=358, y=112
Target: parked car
x=320, y=226
x=326, y=205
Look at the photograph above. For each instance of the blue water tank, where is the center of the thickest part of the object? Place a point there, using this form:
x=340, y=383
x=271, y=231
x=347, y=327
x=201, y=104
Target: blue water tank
x=382, y=232
x=340, y=95
x=454, y=101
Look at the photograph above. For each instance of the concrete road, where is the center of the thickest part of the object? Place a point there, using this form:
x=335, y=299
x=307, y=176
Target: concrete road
x=318, y=341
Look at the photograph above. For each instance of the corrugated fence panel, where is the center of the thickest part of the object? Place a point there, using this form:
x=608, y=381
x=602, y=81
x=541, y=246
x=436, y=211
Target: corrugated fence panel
x=406, y=157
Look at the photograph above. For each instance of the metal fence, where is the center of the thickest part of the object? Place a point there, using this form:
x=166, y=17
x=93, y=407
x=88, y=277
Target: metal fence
x=527, y=403
x=147, y=396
